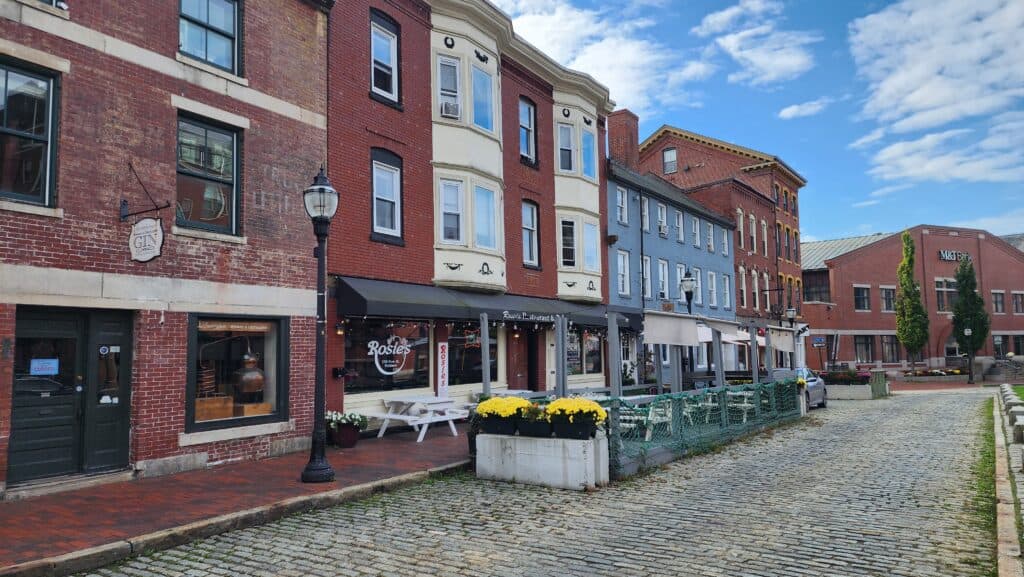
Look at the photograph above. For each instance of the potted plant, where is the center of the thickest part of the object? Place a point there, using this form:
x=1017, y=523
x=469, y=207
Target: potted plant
x=533, y=422
x=498, y=415
x=344, y=428
x=575, y=417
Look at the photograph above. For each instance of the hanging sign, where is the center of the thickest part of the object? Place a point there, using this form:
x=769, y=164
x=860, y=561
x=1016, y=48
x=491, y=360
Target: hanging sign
x=442, y=369
x=146, y=240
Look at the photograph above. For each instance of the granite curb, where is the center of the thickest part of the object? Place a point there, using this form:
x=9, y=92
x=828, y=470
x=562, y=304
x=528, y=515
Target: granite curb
x=1008, y=551
x=102, y=555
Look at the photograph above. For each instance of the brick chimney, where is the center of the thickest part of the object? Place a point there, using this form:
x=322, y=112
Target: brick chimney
x=623, y=138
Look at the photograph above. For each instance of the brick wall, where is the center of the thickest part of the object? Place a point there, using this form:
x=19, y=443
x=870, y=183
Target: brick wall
x=623, y=133
x=6, y=378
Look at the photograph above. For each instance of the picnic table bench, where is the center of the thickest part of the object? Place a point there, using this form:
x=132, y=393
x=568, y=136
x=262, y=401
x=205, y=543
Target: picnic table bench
x=418, y=412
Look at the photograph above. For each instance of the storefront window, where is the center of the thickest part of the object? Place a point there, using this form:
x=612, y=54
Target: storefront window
x=583, y=351
x=999, y=346
x=237, y=369
x=465, y=354
x=386, y=354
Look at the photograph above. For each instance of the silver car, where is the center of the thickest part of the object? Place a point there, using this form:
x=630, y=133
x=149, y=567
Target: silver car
x=817, y=394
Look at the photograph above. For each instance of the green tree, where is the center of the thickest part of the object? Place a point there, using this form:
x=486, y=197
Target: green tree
x=969, y=315
x=911, y=318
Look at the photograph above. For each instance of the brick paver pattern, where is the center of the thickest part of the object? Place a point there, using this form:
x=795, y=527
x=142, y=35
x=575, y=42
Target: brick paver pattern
x=877, y=488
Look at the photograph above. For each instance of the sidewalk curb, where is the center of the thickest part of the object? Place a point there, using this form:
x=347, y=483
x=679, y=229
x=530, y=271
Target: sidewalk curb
x=102, y=555
x=1008, y=552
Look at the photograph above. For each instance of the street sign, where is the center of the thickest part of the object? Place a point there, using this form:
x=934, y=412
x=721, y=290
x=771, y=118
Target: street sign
x=818, y=342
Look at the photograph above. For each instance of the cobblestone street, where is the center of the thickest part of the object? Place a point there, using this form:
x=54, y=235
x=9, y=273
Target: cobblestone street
x=874, y=488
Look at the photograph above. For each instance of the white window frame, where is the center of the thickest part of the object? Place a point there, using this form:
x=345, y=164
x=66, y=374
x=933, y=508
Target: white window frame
x=492, y=108
x=533, y=233
x=680, y=229
x=881, y=301
x=725, y=242
x=1013, y=295
x=753, y=233
x=712, y=289
x=622, y=202
x=680, y=274
x=726, y=292
x=561, y=243
x=623, y=273
x=462, y=210
x=531, y=141
x=743, y=287
x=711, y=236
x=645, y=214
x=861, y=286
x=1003, y=294
x=571, y=149
x=396, y=174
x=495, y=220
x=645, y=274
x=663, y=293
x=695, y=230
x=739, y=226
x=583, y=154
x=591, y=246
x=442, y=95
x=698, y=289
x=669, y=166
x=767, y=292
x=662, y=220
x=764, y=238
x=393, y=94
x=756, y=285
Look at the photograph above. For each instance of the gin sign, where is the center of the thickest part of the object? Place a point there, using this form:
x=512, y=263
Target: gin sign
x=146, y=240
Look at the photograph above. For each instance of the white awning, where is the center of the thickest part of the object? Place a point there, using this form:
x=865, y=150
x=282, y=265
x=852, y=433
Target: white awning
x=730, y=331
x=744, y=338
x=782, y=339
x=670, y=329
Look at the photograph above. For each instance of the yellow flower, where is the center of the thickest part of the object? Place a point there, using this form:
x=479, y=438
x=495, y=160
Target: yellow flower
x=572, y=407
x=801, y=382
x=506, y=407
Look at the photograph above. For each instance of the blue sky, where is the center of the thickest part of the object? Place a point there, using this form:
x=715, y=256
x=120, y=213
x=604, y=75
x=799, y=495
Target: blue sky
x=896, y=112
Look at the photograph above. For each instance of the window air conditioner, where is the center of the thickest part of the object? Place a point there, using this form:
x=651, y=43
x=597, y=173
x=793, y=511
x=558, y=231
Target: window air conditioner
x=663, y=230
x=450, y=110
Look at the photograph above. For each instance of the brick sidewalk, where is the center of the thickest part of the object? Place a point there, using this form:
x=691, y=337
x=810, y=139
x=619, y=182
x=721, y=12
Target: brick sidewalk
x=51, y=525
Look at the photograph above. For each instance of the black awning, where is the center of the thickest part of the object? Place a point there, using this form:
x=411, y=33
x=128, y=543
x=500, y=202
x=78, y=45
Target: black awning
x=629, y=318
x=364, y=297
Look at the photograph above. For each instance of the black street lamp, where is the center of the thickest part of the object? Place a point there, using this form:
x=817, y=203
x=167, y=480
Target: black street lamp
x=321, y=201
x=688, y=284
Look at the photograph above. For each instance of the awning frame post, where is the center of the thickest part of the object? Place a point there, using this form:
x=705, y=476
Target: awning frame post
x=716, y=338
x=485, y=354
x=675, y=363
x=614, y=355
x=755, y=356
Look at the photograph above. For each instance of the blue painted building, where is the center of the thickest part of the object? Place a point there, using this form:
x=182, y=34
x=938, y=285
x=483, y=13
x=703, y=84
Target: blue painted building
x=656, y=235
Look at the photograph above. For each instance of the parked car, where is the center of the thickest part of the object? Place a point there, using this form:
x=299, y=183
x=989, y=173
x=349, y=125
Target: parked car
x=817, y=393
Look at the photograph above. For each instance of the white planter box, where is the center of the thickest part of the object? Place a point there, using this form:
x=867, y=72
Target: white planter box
x=559, y=463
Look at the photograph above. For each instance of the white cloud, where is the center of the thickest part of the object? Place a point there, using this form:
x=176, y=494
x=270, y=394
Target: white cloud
x=720, y=21
x=767, y=55
x=956, y=154
x=641, y=73
x=806, y=109
x=1006, y=223
x=888, y=190
x=865, y=203
x=868, y=139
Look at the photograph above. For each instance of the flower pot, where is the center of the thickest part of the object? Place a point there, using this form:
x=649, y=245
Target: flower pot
x=533, y=428
x=580, y=429
x=498, y=426
x=345, y=436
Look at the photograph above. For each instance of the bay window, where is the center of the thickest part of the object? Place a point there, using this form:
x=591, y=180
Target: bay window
x=591, y=248
x=566, y=147
x=449, y=87
x=589, y=152
x=483, y=100
x=452, y=210
x=484, y=225
x=568, y=243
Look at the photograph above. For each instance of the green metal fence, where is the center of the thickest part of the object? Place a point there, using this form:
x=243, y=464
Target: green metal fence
x=648, y=431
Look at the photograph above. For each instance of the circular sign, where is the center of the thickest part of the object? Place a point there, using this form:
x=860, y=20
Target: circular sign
x=104, y=350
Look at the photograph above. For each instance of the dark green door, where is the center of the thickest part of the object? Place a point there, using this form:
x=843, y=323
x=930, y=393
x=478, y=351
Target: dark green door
x=70, y=393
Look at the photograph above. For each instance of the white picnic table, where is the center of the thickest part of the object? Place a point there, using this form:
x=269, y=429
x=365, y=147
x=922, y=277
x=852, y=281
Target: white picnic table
x=420, y=412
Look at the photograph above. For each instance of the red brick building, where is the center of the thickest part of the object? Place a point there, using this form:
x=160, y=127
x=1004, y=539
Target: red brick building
x=469, y=166
x=198, y=353
x=850, y=290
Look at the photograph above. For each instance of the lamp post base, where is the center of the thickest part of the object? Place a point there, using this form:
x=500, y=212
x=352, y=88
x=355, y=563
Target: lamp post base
x=317, y=472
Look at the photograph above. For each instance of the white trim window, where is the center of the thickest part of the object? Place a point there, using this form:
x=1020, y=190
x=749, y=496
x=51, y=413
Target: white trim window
x=485, y=217
x=887, y=297
x=862, y=298
x=756, y=292
x=662, y=220
x=1018, y=303
x=712, y=288
x=452, y=210
x=753, y=233
x=566, y=147
x=449, y=87
x=645, y=214
x=767, y=292
x=663, y=279
x=743, y=287
x=725, y=242
x=591, y=248
x=483, y=99
x=726, y=291
x=668, y=160
x=711, y=237
x=530, y=244
x=698, y=290
x=680, y=229
x=680, y=273
x=739, y=227
x=568, y=243
x=764, y=238
x=695, y=230
x=383, y=62
x=645, y=274
x=387, y=199
x=589, y=152
x=622, y=204
x=623, y=272
x=527, y=130
x=999, y=302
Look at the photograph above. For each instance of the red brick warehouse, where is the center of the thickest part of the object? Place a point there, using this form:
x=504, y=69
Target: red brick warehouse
x=197, y=355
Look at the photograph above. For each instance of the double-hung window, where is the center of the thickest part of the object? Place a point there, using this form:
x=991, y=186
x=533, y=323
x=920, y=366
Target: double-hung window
x=569, y=243
x=680, y=229
x=622, y=203
x=449, y=87
x=739, y=227
x=483, y=99
x=695, y=229
x=725, y=242
x=645, y=218
x=999, y=302
x=753, y=233
x=591, y=248
x=623, y=272
x=452, y=211
x=680, y=274
x=527, y=130
x=566, y=147
x=485, y=217
x=589, y=152
x=207, y=31
x=1018, y=305
x=27, y=150
x=864, y=348
x=945, y=294
x=861, y=298
x=888, y=295
x=756, y=292
x=712, y=288
x=743, y=287
x=207, y=195
x=698, y=297
x=668, y=160
x=767, y=292
x=764, y=238
x=663, y=220
x=645, y=274
x=384, y=56
x=711, y=236
x=663, y=279
x=531, y=245
x=387, y=193
x=726, y=291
